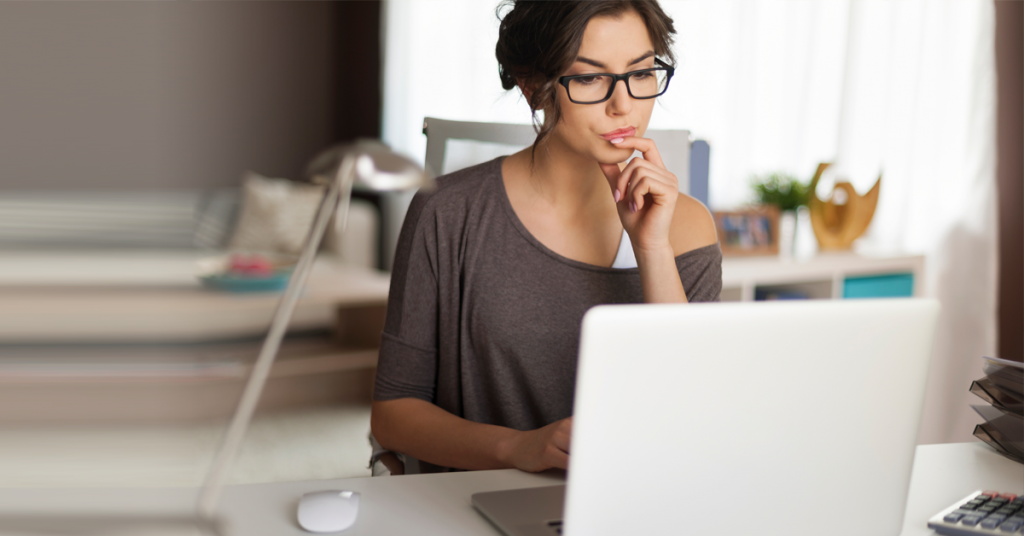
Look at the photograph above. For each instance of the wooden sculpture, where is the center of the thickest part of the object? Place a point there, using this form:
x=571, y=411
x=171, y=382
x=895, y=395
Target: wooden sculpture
x=836, y=223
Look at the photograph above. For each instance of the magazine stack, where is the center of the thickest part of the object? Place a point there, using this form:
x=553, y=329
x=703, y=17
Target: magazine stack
x=1003, y=389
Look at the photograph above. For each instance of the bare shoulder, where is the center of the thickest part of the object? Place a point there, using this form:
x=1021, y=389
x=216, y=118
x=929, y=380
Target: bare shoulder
x=692, y=226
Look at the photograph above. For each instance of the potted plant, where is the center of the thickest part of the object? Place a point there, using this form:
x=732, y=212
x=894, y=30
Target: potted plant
x=788, y=194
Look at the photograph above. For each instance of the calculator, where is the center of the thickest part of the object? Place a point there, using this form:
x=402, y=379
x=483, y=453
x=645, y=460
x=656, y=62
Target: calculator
x=982, y=512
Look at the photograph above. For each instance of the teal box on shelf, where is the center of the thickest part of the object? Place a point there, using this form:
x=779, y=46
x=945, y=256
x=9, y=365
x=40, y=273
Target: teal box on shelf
x=879, y=286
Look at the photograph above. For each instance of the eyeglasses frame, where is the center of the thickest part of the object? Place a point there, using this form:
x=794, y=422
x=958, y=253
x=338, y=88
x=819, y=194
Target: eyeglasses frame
x=662, y=66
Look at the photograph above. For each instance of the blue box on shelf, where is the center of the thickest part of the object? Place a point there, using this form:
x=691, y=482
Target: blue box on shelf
x=879, y=286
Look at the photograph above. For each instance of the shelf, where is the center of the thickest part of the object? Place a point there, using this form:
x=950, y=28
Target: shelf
x=821, y=277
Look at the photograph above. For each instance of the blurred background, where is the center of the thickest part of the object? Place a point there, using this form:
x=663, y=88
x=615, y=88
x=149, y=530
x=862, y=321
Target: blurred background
x=150, y=150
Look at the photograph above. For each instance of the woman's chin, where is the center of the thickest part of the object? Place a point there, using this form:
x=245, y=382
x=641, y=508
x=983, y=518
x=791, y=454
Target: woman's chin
x=612, y=155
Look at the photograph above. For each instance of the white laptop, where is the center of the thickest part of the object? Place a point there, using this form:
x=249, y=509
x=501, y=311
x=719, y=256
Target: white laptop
x=795, y=418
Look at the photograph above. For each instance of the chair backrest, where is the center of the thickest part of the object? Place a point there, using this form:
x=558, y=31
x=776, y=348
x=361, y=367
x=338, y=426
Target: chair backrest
x=453, y=145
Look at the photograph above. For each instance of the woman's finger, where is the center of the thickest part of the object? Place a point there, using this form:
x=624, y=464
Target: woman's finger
x=629, y=171
x=557, y=458
x=632, y=173
x=560, y=441
x=660, y=192
x=653, y=170
x=645, y=146
x=622, y=181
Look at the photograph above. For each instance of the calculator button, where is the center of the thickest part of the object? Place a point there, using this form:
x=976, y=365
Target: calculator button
x=1006, y=510
x=952, y=517
x=971, y=521
x=1010, y=526
x=992, y=522
x=1008, y=496
x=987, y=509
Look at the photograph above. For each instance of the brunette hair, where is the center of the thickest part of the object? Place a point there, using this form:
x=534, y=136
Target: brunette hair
x=538, y=41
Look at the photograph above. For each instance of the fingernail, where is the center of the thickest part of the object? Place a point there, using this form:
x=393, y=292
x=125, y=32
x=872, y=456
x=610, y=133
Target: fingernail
x=617, y=140
x=632, y=206
x=617, y=196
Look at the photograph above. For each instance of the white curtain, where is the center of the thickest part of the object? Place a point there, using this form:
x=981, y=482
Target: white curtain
x=901, y=87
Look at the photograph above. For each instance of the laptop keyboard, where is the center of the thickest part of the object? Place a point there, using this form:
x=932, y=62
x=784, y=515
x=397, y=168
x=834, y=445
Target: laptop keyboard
x=982, y=512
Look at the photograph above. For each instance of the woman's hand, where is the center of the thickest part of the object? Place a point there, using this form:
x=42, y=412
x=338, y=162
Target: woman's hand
x=645, y=194
x=541, y=449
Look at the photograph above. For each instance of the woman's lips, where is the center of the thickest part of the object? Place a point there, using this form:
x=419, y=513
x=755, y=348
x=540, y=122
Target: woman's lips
x=620, y=133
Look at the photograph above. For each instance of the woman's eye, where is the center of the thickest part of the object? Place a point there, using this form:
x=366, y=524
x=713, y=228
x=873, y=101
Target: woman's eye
x=642, y=76
x=586, y=80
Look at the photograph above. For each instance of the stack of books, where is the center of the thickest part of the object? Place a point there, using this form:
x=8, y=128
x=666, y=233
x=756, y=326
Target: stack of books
x=1003, y=389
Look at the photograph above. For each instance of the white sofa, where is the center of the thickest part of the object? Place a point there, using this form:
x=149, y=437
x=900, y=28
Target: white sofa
x=153, y=221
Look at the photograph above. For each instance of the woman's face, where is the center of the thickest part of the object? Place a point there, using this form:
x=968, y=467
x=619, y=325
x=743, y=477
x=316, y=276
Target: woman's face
x=610, y=45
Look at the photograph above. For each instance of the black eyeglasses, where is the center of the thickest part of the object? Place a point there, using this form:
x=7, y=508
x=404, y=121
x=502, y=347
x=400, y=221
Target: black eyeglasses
x=594, y=88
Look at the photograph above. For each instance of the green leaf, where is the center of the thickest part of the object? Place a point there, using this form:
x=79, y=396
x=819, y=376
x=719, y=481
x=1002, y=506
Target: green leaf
x=780, y=189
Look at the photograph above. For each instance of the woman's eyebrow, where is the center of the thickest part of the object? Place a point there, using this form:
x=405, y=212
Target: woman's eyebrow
x=596, y=63
x=646, y=55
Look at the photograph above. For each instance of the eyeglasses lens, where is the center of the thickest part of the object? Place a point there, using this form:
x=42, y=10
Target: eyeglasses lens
x=642, y=84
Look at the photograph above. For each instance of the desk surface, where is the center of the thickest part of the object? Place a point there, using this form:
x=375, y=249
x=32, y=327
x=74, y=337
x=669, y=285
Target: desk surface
x=440, y=504
x=944, y=474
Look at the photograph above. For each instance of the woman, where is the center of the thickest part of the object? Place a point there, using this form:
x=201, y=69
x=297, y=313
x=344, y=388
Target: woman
x=496, y=267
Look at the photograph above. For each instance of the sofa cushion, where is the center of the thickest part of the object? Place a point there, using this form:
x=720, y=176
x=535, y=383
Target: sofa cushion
x=276, y=214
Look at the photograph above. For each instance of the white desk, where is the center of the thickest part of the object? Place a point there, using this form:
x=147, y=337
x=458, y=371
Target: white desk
x=944, y=474
x=440, y=504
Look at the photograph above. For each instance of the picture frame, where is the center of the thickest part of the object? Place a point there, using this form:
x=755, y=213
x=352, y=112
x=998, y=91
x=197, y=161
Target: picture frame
x=751, y=231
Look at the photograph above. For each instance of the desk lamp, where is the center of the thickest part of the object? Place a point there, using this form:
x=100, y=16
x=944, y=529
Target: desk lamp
x=376, y=168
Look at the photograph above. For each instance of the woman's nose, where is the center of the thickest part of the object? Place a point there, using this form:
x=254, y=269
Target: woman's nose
x=621, y=102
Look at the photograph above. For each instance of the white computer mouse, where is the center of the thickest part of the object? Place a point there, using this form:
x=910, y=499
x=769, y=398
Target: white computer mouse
x=328, y=511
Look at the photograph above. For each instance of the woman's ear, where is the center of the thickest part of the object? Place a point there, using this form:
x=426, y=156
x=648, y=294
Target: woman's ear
x=527, y=90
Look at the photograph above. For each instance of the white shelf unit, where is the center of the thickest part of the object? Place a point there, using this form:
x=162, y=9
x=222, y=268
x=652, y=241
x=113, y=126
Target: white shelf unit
x=820, y=277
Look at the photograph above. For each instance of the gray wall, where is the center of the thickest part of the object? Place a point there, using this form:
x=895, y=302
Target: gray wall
x=162, y=95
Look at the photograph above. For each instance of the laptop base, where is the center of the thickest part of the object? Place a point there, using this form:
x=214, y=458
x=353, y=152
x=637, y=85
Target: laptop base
x=524, y=512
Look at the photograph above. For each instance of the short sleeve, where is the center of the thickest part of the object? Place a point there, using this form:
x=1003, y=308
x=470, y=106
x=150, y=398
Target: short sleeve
x=700, y=271
x=407, y=362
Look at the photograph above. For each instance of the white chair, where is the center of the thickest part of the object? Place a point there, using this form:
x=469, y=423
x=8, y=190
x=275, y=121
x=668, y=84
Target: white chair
x=453, y=145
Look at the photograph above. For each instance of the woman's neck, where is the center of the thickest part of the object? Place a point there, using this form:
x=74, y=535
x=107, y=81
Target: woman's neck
x=564, y=201
x=564, y=178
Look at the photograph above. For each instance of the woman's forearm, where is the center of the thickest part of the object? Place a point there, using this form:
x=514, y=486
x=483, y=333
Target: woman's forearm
x=429, y=433
x=659, y=276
